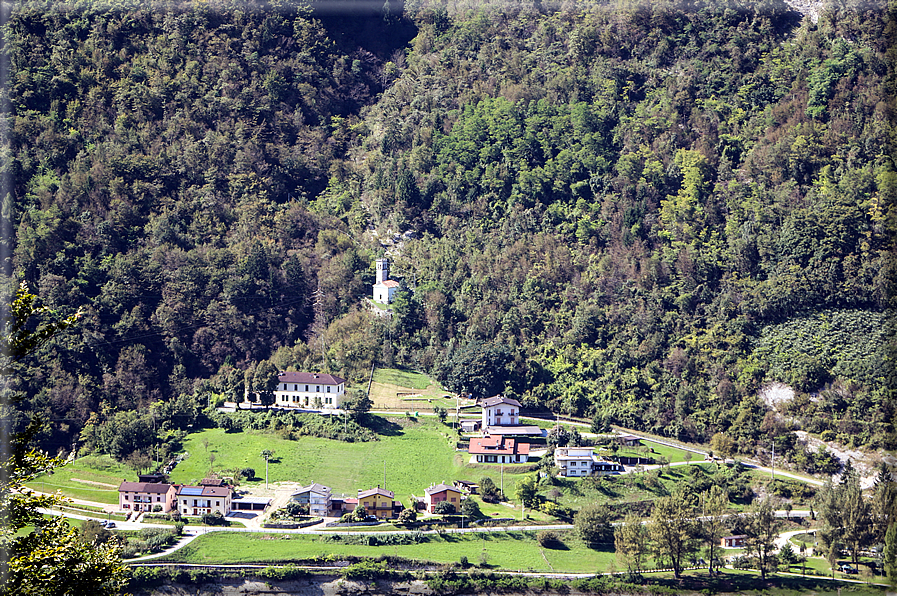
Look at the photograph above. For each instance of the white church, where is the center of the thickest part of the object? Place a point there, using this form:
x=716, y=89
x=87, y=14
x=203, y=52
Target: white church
x=385, y=289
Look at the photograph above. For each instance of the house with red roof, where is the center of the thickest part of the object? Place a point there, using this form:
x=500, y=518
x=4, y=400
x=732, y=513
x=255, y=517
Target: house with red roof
x=309, y=390
x=498, y=449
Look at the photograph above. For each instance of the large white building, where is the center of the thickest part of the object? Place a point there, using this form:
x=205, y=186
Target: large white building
x=385, y=289
x=309, y=390
x=582, y=461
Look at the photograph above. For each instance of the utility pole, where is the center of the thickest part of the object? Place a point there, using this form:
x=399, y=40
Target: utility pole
x=773, y=462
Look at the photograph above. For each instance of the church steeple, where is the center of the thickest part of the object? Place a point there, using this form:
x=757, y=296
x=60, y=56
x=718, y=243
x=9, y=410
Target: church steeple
x=382, y=270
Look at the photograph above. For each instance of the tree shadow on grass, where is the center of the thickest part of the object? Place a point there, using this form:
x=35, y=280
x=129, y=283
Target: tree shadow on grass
x=382, y=426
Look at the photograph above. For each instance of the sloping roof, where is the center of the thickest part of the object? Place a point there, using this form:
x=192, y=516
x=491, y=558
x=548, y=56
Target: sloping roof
x=440, y=488
x=376, y=491
x=143, y=487
x=515, y=429
x=203, y=491
x=304, y=377
x=313, y=487
x=497, y=446
x=499, y=400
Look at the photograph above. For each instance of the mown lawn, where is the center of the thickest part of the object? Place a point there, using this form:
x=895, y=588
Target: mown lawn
x=504, y=550
x=93, y=478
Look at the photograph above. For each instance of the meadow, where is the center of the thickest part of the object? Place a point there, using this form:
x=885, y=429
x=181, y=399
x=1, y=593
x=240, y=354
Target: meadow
x=412, y=455
x=500, y=550
x=92, y=478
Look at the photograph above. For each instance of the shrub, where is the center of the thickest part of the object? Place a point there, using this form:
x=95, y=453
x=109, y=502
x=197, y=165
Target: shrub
x=444, y=508
x=549, y=539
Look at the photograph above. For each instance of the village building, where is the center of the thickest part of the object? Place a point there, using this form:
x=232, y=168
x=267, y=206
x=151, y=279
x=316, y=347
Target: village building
x=316, y=496
x=582, y=461
x=498, y=449
x=736, y=541
x=379, y=502
x=199, y=500
x=340, y=505
x=145, y=496
x=501, y=416
x=439, y=493
x=385, y=289
x=309, y=390
x=629, y=440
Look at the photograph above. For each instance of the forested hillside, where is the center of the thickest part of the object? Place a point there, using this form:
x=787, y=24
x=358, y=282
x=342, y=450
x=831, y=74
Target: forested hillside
x=640, y=212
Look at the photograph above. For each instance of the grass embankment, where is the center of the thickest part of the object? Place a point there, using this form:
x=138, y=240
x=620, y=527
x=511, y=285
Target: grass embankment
x=505, y=550
x=91, y=478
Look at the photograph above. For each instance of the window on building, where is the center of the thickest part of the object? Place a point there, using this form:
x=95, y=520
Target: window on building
x=306, y=387
x=217, y=503
x=328, y=388
x=317, y=388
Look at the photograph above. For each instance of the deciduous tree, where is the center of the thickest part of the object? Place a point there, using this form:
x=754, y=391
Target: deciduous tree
x=673, y=531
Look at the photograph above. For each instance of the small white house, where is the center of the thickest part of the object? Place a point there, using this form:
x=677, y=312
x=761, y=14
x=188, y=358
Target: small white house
x=309, y=390
x=385, y=289
x=500, y=411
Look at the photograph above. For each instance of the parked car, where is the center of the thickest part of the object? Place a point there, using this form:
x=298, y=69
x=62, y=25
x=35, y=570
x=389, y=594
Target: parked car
x=109, y=525
x=849, y=570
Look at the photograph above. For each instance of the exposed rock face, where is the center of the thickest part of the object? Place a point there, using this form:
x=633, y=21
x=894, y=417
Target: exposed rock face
x=808, y=8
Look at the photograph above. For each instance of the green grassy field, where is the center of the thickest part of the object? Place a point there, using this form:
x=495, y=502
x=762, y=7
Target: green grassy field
x=505, y=550
x=414, y=455
x=92, y=478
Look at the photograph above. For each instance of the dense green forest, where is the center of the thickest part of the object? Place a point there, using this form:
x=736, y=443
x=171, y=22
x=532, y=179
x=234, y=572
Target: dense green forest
x=640, y=212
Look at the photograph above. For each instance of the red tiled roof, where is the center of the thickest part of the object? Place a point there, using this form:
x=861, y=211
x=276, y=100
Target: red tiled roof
x=497, y=446
x=304, y=377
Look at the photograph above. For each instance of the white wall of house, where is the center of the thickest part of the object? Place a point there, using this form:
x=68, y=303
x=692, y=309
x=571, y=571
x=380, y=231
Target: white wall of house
x=501, y=415
x=306, y=395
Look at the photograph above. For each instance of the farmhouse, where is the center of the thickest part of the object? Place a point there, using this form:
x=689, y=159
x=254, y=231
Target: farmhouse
x=197, y=500
x=582, y=461
x=379, y=502
x=316, y=496
x=439, y=493
x=144, y=496
x=385, y=289
x=309, y=390
x=498, y=450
